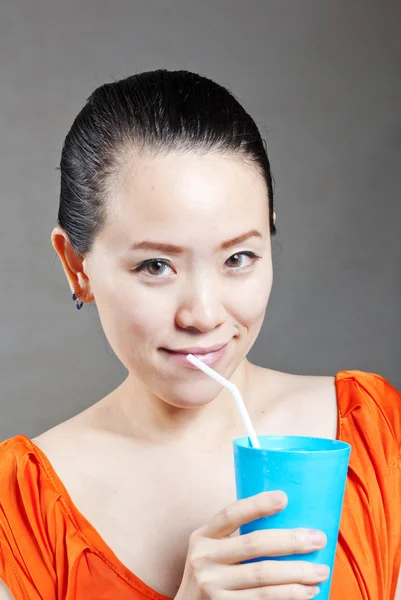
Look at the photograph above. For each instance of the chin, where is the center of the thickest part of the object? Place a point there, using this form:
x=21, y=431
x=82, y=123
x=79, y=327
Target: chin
x=191, y=394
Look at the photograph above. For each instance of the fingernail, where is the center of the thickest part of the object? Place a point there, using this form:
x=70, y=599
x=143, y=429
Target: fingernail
x=278, y=500
x=322, y=571
x=314, y=592
x=317, y=539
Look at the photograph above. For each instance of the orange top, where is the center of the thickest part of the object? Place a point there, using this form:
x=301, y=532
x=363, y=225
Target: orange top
x=49, y=551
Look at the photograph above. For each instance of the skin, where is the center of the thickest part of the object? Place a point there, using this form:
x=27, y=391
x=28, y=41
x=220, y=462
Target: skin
x=196, y=202
x=164, y=418
x=175, y=422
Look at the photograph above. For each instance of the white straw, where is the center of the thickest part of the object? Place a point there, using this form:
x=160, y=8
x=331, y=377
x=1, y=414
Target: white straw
x=235, y=392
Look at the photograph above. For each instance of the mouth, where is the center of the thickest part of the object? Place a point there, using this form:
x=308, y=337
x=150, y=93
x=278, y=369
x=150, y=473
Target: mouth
x=210, y=356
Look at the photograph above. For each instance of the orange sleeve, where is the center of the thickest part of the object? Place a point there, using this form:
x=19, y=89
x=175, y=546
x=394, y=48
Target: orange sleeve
x=369, y=552
x=392, y=415
x=388, y=402
x=390, y=405
x=26, y=544
x=383, y=402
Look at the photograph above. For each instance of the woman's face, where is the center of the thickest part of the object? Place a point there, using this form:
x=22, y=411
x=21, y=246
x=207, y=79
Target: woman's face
x=183, y=262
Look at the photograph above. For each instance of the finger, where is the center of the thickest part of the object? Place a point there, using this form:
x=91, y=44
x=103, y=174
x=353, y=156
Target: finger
x=265, y=542
x=269, y=573
x=276, y=592
x=228, y=520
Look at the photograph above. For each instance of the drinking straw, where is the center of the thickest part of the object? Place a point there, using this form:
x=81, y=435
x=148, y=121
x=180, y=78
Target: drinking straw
x=235, y=392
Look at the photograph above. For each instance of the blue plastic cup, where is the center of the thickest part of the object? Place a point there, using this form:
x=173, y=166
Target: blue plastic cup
x=312, y=472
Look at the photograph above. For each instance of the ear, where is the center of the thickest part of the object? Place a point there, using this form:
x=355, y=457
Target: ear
x=73, y=265
x=274, y=218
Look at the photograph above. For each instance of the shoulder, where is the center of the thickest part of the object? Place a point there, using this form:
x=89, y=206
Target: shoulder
x=294, y=404
x=31, y=520
x=15, y=456
x=379, y=400
x=25, y=486
x=22, y=467
x=283, y=383
x=288, y=388
x=316, y=401
x=374, y=384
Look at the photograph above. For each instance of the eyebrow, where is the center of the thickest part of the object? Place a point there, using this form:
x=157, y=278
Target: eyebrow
x=172, y=249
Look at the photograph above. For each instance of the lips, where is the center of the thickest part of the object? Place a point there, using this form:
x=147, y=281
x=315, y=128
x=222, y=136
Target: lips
x=197, y=350
x=210, y=356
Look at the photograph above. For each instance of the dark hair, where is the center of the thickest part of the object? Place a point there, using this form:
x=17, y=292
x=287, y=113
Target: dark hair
x=159, y=111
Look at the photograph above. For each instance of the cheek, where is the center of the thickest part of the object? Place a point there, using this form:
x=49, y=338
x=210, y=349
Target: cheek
x=128, y=314
x=139, y=314
x=251, y=299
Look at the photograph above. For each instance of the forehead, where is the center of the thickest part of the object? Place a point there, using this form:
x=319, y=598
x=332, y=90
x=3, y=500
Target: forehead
x=182, y=195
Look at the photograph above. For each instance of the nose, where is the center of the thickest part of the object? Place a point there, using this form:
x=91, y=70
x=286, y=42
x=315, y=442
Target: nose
x=201, y=308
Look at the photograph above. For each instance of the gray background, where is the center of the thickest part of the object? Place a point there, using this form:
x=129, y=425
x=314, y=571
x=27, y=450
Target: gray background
x=322, y=80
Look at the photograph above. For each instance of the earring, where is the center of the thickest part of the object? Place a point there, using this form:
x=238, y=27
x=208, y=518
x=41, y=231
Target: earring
x=79, y=302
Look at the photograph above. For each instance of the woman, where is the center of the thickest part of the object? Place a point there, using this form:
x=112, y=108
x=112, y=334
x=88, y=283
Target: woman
x=165, y=221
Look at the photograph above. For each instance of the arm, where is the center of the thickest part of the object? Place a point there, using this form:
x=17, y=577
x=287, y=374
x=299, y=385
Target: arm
x=5, y=593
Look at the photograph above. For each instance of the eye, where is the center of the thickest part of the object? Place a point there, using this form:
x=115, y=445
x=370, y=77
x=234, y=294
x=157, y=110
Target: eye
x=239, y=260
x=153, y=267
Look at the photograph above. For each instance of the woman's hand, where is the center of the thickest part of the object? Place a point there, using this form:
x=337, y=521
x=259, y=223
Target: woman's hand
x=213, y=570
